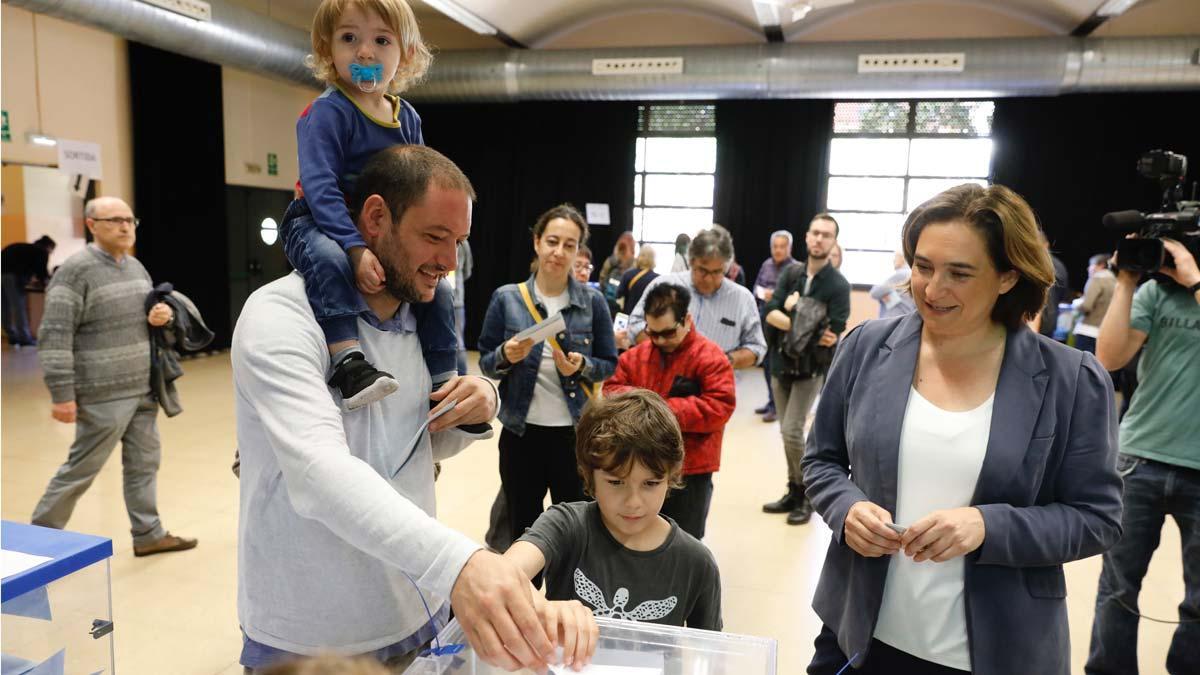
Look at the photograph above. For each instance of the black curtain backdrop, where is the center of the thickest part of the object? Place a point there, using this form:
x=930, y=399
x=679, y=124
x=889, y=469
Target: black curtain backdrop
x=771, y=163
x=524, y=158
x=1073, y=158
x=179, y=179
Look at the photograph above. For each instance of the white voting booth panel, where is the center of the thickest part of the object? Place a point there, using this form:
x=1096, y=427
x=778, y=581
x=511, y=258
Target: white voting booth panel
x=631, y=648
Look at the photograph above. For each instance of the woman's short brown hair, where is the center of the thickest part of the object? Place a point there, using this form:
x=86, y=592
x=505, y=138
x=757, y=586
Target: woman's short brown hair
x=566, y=212
x=1010, y=231
x=414, y=54
x=635, y=425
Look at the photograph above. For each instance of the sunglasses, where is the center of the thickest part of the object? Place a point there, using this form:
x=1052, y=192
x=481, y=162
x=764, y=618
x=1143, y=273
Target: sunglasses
x=664, y=334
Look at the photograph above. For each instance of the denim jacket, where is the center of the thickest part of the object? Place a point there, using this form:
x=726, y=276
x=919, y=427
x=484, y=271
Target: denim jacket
x=589, y=332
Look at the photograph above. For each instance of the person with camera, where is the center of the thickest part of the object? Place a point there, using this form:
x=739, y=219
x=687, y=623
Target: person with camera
x=1159, y=457
x=796, y=377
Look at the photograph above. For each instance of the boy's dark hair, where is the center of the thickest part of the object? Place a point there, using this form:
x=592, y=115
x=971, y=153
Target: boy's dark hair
x=636, y=425
x=402, y=174
x=668, y=297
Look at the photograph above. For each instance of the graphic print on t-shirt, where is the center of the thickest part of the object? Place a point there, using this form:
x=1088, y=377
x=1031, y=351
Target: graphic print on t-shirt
x=650, y=610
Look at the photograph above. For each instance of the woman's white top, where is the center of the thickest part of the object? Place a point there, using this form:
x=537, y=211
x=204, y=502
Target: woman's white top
x=941, y=454
x=549, y=405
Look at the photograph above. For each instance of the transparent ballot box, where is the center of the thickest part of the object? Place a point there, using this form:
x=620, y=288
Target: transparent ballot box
x=629, y=648
x=57, y=607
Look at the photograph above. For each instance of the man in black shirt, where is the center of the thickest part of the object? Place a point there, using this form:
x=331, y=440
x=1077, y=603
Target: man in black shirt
x=22, y=263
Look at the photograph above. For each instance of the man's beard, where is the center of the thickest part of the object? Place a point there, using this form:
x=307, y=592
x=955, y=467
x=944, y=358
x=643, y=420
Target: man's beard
x=819, y=257
x=398, y=284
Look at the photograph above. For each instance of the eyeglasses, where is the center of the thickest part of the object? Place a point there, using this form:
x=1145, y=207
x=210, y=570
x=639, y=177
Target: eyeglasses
x=709, y=273
x=120, y=220
x=583, y=267
x=664, y=334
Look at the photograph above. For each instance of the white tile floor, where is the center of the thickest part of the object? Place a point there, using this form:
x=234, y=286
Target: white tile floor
x=176, y=613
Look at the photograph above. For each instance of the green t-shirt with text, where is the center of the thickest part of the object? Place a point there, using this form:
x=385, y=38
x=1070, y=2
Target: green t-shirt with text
x=1163, y=422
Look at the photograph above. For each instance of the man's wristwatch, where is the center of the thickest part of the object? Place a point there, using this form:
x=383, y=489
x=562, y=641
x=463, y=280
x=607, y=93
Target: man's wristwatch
x=1194, y=288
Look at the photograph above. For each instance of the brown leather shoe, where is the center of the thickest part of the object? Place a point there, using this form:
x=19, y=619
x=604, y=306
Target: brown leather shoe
x=167, y=543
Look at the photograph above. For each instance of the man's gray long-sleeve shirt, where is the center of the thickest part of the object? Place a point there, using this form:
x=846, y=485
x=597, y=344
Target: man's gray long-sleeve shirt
x=94, y=342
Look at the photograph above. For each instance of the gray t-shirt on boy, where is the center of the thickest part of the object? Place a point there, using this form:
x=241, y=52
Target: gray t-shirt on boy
x=676, y=584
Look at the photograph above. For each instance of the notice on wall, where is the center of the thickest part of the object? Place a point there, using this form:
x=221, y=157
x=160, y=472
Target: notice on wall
x=597, y=214
x=79, y=158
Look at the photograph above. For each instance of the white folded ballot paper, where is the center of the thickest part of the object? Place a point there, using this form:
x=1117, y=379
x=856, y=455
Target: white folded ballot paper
x=548, y=328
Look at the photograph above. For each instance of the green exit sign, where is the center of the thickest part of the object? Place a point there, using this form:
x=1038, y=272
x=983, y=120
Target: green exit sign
x=5, y=135
x=272, y=164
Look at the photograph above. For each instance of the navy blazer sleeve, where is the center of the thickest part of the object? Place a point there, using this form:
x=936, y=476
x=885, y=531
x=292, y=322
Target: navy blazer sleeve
x=1085, y=517
x=826, y=462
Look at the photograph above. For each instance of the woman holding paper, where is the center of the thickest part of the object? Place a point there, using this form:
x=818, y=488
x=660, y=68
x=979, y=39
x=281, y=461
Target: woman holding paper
x=545, y=380
x=960, y=460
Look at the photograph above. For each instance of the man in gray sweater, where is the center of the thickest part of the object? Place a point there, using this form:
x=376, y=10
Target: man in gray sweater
x=95, y=355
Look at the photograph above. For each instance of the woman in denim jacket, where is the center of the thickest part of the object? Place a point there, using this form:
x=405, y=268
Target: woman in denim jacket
x=544, y=386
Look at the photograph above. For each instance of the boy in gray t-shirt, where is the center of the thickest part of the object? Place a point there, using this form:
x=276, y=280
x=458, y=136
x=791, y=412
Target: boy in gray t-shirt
x=618, y=555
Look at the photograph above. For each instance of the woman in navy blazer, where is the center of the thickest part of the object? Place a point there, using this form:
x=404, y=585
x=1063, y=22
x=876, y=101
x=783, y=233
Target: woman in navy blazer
x=977, y=583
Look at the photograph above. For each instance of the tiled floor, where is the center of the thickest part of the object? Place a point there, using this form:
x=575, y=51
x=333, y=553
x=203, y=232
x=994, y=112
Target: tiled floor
x=177, y=614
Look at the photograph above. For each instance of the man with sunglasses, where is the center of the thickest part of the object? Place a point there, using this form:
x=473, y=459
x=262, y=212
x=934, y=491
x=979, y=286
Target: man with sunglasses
x=724, y=312
x=95, y=356
x=695, y=377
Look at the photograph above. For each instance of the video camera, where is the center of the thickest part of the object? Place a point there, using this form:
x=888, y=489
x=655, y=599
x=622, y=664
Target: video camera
x=1178, y=220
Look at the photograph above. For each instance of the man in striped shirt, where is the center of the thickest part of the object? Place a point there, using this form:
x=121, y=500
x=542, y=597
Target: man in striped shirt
x=95, y=355
x=724, y=312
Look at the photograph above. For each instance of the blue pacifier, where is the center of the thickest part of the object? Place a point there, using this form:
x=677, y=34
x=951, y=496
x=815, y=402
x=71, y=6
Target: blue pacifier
x=366, y=75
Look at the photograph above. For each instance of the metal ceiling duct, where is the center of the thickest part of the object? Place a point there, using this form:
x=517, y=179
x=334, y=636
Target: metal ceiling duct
x=995, y=67
x=235, y=37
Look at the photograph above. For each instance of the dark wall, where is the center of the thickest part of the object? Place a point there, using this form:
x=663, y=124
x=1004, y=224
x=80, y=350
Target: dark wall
x=1073, y=158
x=524, y=158
x=252, y=262
x=771, y=163
x=179, y=178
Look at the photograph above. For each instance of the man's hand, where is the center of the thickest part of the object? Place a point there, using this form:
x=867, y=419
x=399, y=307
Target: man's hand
x=622, y=338
x=160, y=315
x=768, y=294
x=63, y=412
x=568, y=364
x=1186, y=273
x=944, y=535
x=867, y=531
x=516, y=350
x=476, y=402
x=791, y=301
x=368, y=273
x=571, y=626
x=495, y=607
x=828, y=338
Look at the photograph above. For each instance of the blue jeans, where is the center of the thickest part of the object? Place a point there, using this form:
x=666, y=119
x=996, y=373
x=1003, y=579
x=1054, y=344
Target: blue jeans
x=1152, y=491
x=332, y=293
x=16, y=319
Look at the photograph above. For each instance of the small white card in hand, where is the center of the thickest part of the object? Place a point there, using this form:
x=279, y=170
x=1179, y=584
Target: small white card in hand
x=547, y=328
x=760, y=292
x=621, y=322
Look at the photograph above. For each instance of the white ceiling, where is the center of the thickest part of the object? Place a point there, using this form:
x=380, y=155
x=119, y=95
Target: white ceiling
x=626, y=23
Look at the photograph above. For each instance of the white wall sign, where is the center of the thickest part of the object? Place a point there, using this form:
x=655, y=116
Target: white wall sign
x=597, y=214
x=79, y=158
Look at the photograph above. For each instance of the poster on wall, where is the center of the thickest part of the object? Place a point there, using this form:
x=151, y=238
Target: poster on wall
x=79, y=158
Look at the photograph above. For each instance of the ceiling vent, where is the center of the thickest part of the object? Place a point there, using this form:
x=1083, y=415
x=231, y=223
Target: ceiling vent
x=665, y=65
x=912, y=63
x=193, y=9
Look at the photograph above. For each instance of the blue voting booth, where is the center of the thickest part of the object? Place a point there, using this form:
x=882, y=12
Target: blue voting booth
x=57, y=612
